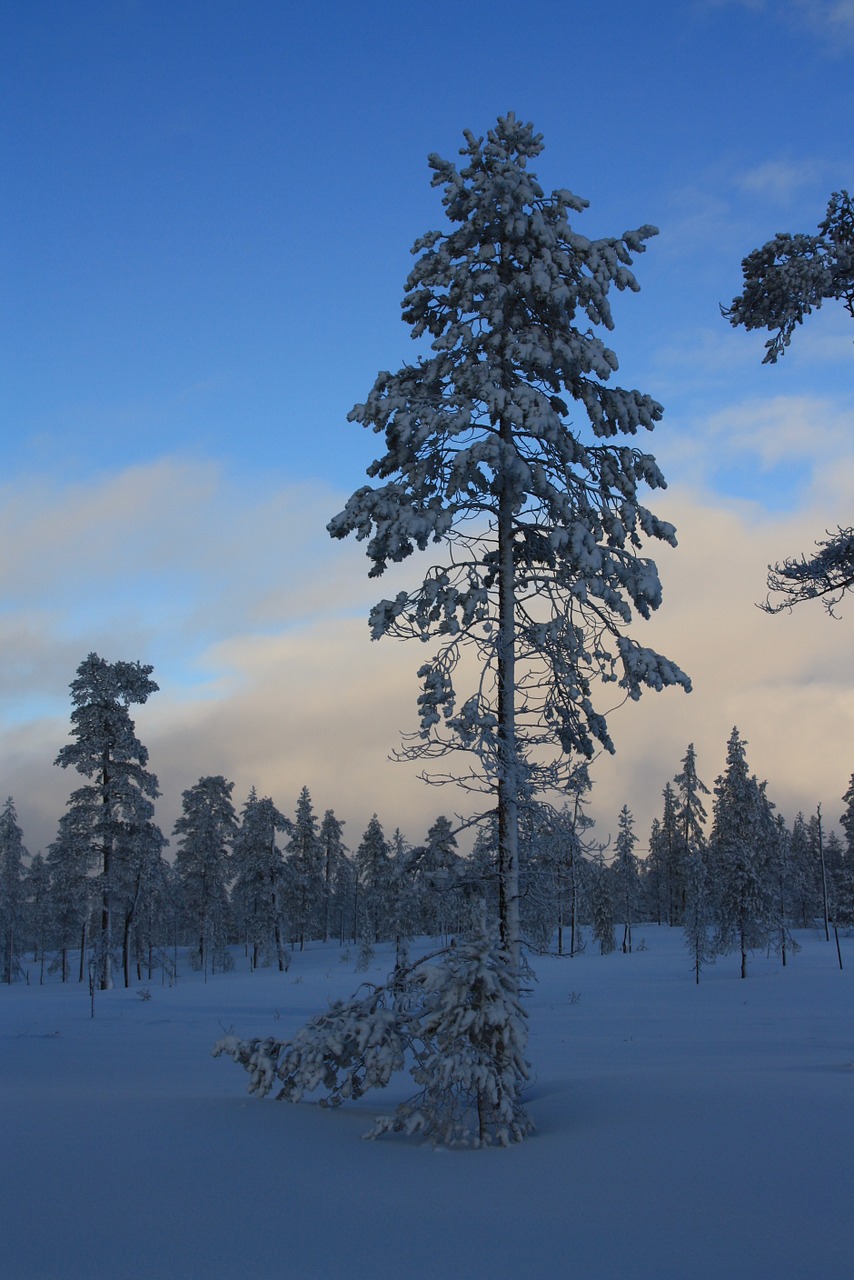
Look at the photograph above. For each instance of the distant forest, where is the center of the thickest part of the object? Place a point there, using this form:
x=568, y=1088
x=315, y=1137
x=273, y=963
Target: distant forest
x=108, y=903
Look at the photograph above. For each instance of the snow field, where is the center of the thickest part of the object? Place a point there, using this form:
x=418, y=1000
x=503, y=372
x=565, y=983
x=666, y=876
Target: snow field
x=683, y=1132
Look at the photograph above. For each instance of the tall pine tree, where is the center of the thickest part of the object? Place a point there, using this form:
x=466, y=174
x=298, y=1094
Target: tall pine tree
x=508, y=444
x=120, y=792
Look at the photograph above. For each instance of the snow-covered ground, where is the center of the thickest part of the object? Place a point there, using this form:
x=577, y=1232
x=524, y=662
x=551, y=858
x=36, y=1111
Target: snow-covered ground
x=683, y=1132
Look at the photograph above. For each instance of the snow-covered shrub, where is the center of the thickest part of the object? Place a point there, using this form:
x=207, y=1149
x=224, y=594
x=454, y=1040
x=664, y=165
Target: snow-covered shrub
x=454, y=1016
x=467, y=1035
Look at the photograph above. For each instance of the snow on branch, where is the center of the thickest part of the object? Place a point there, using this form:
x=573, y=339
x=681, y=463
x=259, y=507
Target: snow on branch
x=455, y=1017
x=826, y=575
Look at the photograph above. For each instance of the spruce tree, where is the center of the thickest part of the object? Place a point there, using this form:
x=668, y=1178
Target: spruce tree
x=508, y=444
x=673, y=854
x=696, y=891
x=804, y=878
x=690, y=811
x=36, y=893
x=258, y=890
x=374, y=869
x=12, y=909
x=602, y=904
x=655, y=873
x=205, y=831
x=141, y=847
x=435, y=867
x=332, y=851
x=698, y=910
x=626, y=872
x=71, y=893
x=846, y=821
x=306, y=873
x=740, y=851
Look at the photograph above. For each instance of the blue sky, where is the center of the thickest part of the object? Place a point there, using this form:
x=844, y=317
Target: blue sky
x=206, y=217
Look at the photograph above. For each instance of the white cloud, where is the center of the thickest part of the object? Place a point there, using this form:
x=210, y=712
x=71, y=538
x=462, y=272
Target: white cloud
x=785, y=681
x=779, y=179
x=269, y=617
x=806, y=428
x=831, y=20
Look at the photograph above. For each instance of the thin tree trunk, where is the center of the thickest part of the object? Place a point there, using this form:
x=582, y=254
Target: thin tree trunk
x=128, y=926
x=823, y=878
x=508, y=776
x=107, y=892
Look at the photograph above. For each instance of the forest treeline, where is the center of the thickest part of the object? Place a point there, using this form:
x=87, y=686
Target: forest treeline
x=113, y=897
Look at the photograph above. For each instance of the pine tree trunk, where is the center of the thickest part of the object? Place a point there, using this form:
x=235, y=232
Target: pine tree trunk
x=83, y=944
x=128, y=927
x=508, y=812
x=823, y=878
x=106, y=895
x=327, y=890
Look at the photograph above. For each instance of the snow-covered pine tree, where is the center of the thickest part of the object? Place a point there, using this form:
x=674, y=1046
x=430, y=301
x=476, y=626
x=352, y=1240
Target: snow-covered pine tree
x=538, y=874
x=36, y=894
x=815, y=838
x=740, y=853
x=781, y=877
x=479, y=879
x=571, y=825
x=374, y=868
x=12, y=904
x=835, y=864
x=804, y=879
x=846, y=821
x=543, y=518
x=405, y=897
x=454, y=1016
x=673, y=856
x=468, y=1035
x=552, y=872
x=345, y=899
x=435, y=867
x=654, y=874
x=333, y=850
x=258, y=866
x=154, y=916
x=626, y=873
x=602, y=903
x=697, y=916
x=305, y=872
x=205, y=831
x=140, y=848
x=108, y=752
x=792, y=275
x=69, y=859
x=690, y=811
